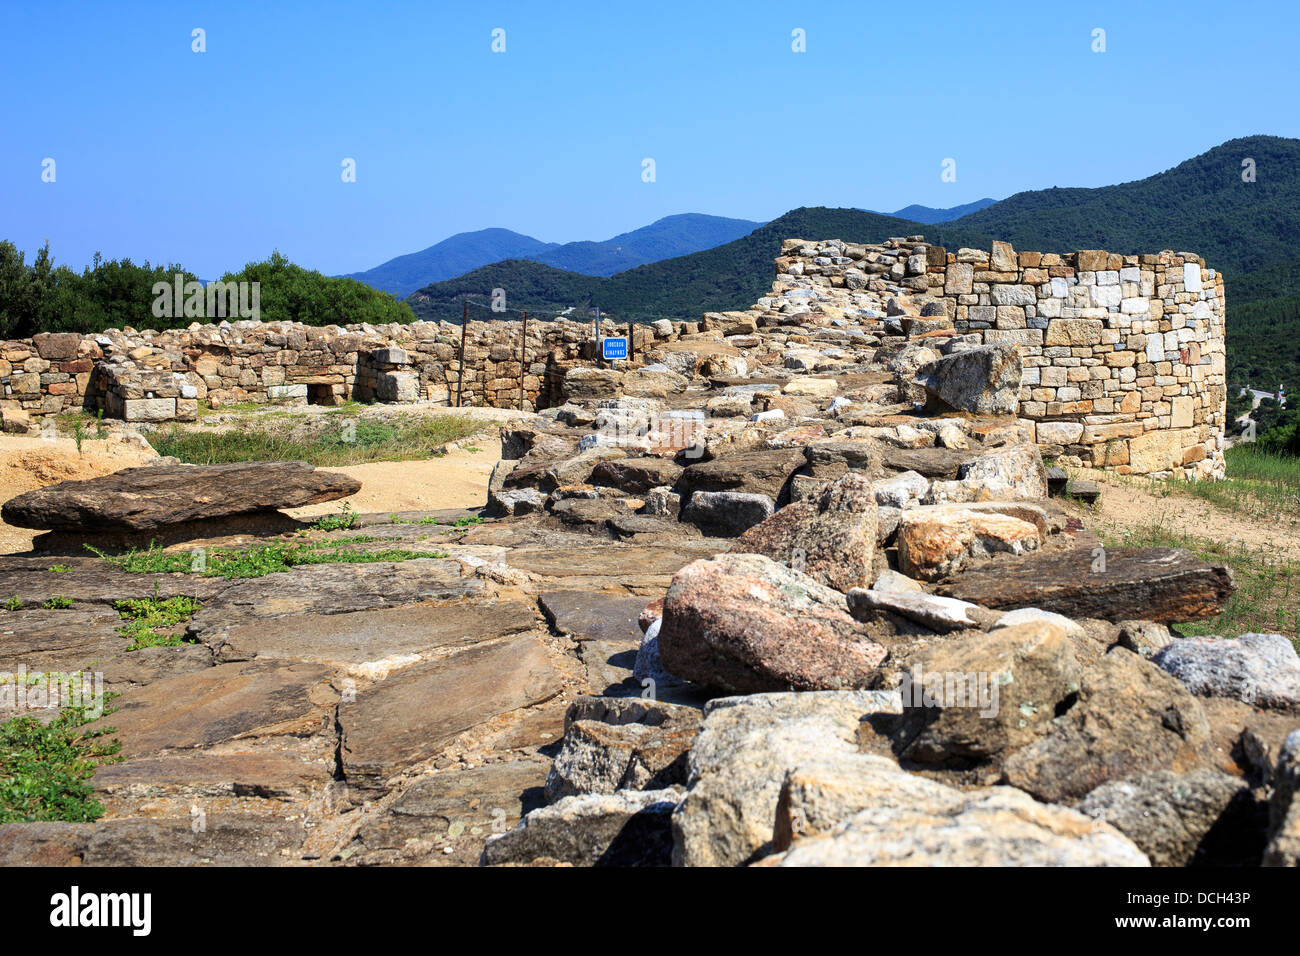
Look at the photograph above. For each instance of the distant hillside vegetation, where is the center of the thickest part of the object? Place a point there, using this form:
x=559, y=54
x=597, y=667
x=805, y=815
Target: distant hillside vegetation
x=929, y=215
x=1248, y=230
x=461, y=253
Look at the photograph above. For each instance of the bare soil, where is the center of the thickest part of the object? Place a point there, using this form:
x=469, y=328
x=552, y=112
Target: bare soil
x=30, y=462
x=1126, y=503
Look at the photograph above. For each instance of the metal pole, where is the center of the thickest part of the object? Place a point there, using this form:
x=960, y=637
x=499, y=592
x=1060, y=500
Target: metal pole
x=631, y=343
x=464, y=324
x=523, y=359
x=599, y=346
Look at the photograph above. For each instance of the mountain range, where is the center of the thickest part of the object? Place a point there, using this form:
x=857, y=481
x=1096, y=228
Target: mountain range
x=458, y=254
x=1247, y=228
x=928, y=215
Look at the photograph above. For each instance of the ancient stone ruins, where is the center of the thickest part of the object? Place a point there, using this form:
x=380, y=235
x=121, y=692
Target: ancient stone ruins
x=792, y=587
x=1108, y=360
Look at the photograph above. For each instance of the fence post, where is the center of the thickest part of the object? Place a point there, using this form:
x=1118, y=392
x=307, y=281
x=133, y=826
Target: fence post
x=464, y=324
x=523, y=359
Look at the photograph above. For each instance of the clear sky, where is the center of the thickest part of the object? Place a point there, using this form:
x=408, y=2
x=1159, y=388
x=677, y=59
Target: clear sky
x=214, y=159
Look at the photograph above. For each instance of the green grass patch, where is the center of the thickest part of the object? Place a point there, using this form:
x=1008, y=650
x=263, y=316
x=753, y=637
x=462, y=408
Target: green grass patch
x=13, y=604
x=260, y=560
x=45, y=769
x=1268, y=585
x=152, y=622
x=331, y=442
x=57, y=603
x=347, y=518
x=1257, y=483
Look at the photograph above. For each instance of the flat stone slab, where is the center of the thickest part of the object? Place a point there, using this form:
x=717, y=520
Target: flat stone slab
x=142, y=499
x=1156, y=584
x=201, y=773
x=372, y=635
x=453, y=808
x=226, y=839
x=592, y=616
x=409, y=716
x=933, y=462
x=334, y=589
x=219, y=704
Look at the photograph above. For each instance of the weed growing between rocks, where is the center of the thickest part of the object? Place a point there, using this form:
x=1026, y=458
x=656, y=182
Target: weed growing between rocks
x=57, y=603
x=45, y=769
x=152, y=622
x=256, y=561
x=344, y=520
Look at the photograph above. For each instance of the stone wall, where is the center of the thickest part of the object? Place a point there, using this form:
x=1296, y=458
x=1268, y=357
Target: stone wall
x=1122, y=356
x=164, y=375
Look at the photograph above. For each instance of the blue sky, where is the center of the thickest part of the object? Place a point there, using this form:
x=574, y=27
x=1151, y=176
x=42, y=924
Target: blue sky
x=214, y=159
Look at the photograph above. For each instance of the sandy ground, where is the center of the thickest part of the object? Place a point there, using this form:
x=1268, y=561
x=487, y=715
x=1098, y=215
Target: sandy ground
x=28, y=462
x=1126, y=503
x=457, y=480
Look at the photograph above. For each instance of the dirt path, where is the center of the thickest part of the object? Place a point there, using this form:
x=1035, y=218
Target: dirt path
x=1126, y=503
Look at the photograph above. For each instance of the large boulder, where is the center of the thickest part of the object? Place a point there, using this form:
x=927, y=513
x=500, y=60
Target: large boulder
x=1258, y=669
x=833, y=539
x=156, y=496
x=995, y=827
x=972, y=701
x=984, y=379
x=745, y=748
x=744, y=624
x=1203, y=817
x=1128, y=717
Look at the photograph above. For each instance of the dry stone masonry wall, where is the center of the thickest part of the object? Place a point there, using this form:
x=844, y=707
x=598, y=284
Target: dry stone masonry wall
x=159, y=376
x=1122, y=356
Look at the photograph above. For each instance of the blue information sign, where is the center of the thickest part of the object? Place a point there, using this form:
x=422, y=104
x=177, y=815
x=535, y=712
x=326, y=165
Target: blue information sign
x=614, y=348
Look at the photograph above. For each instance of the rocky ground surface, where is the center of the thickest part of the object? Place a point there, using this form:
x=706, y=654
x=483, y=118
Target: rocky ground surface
x=795, y=592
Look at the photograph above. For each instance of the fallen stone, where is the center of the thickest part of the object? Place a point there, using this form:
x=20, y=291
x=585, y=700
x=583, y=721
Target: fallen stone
x=937, y=541
x=628, y=828
x=1168, y=585
x=142, y=499
x=832, y=540
x=1258, y=669
x=985, y=379
x=995, y=827
x=764, y=472
x=726, y=514
x=744, y=624
x=600, y=757
x=1129, y=717
x=739, y=761
x=1200, y=818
